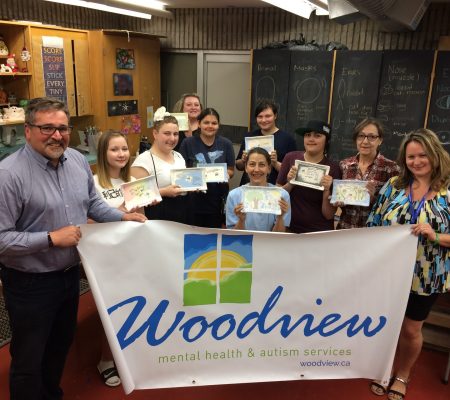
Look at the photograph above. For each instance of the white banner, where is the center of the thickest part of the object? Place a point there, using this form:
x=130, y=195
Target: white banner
x=186, y=306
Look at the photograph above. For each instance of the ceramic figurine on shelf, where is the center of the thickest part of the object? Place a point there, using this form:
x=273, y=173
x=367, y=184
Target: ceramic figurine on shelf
x=5, y=68
x=25, y=55
x=3, y=49
x=11, y=62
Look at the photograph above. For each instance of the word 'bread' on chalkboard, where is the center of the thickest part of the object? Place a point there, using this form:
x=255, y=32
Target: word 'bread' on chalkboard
x=439, y=114
x=270, y=81
x=309, y=88
x=403, y=94
x=355, y=93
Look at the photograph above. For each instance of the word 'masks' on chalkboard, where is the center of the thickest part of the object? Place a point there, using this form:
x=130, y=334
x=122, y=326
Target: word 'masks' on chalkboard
x=270, y=81
x=309, y=87
x=355, y=92
x=403, y=95
x=439, y=114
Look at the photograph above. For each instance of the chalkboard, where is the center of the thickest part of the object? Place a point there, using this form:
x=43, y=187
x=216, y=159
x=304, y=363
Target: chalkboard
x=439, y=113
x=403, y=94
x=309, y=87
x=355, y=92
x=270, y=80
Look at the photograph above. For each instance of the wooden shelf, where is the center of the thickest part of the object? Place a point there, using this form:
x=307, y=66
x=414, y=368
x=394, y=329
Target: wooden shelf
x=15, y=73
x=5, y=122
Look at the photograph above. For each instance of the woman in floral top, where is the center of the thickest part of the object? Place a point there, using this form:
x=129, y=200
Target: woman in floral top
x=368, y=165
x=418, y=196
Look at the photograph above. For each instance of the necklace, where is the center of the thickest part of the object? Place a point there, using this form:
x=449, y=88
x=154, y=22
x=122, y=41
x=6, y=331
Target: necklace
x=415, y=212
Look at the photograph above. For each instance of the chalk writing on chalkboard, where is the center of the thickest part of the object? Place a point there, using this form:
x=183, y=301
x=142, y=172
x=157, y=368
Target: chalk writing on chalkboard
x=265, y=89
x=270, y=80
x=403, y=93
x=355, y=94
x=309, y=88
x=439, y=113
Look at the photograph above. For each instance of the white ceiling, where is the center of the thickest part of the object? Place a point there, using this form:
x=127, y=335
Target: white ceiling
x=214, y=3
x=229, y=3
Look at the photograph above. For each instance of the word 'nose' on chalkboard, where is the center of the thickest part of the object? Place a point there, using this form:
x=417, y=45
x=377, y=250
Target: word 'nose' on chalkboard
x=403, y=93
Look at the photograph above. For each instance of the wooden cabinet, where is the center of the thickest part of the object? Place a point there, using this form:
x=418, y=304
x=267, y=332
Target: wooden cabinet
x=75, y=54
x=16, y=37
x=145, y=77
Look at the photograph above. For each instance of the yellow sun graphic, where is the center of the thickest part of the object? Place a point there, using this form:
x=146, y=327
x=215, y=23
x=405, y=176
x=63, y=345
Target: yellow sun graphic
x=204, y=267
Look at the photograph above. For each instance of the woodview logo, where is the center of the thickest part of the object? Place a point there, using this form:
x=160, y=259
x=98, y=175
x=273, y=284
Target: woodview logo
x=217, y=269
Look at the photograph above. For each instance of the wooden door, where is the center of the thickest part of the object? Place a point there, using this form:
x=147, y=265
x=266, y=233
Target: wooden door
x=82, y=76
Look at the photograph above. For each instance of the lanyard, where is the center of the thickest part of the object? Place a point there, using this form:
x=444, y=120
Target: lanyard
x=415, y=212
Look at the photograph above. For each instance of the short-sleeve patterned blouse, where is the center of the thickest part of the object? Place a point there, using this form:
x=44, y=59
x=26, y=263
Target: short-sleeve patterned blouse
x=431, y=272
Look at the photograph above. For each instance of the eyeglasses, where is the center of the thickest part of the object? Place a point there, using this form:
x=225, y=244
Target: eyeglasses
x=370, y=138
x=49, y=130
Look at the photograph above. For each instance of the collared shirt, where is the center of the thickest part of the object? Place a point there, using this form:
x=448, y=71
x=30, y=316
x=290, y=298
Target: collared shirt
x=254, y=221
x=35, y=198
x=380, y=171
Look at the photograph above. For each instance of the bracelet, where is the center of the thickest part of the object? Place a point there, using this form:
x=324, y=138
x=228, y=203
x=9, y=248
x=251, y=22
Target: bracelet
x=436, y=241
x=49, y=239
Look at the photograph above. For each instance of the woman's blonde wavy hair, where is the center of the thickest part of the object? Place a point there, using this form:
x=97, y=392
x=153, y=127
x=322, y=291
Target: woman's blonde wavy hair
x=436, y=153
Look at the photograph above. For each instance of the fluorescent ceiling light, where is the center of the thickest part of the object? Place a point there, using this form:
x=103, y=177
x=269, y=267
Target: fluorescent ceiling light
x=103, y=7
x=303, y=8
x=151, y=4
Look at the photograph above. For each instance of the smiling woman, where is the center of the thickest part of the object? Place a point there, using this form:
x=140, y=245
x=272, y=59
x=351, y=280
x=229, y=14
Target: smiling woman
x=369, y=166
x=266, y=114
x=158, y=162
x=209, y=148
x=418, y=196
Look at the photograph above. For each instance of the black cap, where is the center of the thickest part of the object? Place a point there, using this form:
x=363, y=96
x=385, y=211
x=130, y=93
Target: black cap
x=315, y=126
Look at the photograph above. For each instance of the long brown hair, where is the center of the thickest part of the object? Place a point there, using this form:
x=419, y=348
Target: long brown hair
x=438, y=156
x=102, y=160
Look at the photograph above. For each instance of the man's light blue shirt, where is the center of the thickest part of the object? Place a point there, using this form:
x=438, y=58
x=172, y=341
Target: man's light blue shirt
x=35, y=198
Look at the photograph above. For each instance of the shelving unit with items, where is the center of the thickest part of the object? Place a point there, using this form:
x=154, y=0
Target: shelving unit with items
x=17, y=85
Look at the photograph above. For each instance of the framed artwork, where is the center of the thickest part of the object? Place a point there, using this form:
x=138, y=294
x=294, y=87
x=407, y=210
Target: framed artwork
x=310, y=174
x=261, y=199
x=124, y=107
x=183, y=120
x=140, y=192
x=189, y=179
x=350, y=192
x=265, y=142
x=123, y=84
x=125, y=59
x=215, y=172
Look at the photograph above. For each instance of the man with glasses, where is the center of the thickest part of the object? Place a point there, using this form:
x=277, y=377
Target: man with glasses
x=46, y=192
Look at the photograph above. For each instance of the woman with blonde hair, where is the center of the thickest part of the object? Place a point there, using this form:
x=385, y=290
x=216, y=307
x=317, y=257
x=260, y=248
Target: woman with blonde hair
x=188, y=103
x=419, y=196
x=159, y=161
x=113, y=167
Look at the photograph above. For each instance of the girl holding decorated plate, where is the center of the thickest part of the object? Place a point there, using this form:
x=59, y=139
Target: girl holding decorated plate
x=311, y=208
x=257, y=167
x=158, y=162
